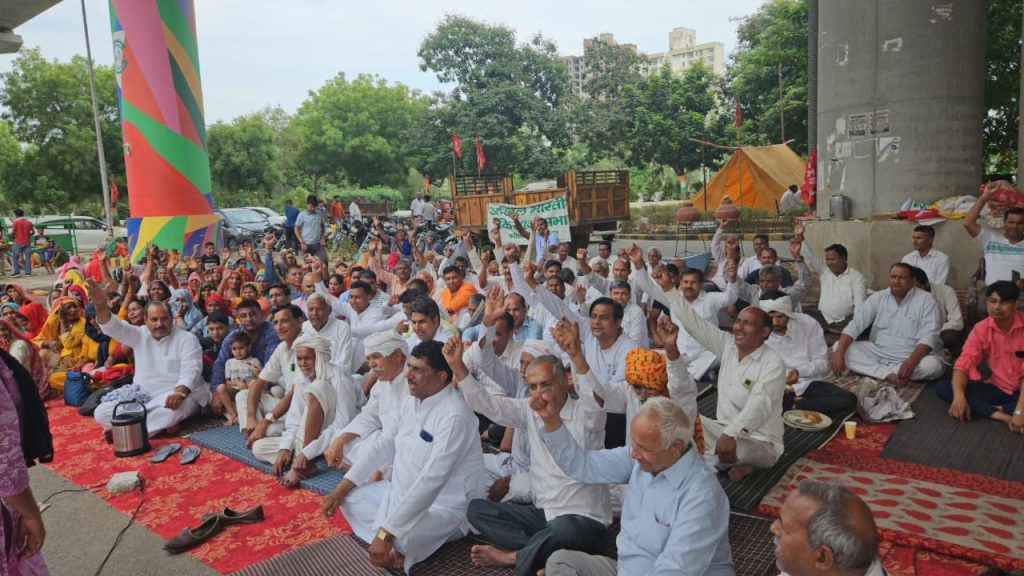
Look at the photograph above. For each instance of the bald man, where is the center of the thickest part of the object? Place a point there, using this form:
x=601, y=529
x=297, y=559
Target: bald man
x=825, y=529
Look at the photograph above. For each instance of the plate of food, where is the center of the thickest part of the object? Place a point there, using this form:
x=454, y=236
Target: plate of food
x=806, y=420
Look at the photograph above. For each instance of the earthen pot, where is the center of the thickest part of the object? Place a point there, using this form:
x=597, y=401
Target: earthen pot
x=728, y=210
x=687, y=213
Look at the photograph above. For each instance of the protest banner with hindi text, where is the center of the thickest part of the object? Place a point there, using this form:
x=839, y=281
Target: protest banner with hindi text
x=556, y=212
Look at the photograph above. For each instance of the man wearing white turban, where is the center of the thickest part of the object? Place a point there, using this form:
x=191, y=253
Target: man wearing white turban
x=318, y=400
x=386, y=353
x=797, y=339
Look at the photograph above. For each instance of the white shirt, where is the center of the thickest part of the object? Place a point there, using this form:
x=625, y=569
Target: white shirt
x=1001, y=257
x=840, y=295
x=362, y=324
x=553, y=491
x=381, y=409
x=803, y=349
x=441, y=335
x=280, y=369
x=162, y=365
x=747, y=265
x=935, y=264
x=570, y=263
x=339, y=335
x=750, y=390
x=416, y=206
x=294, y=419
x=949, y=307
x=898, y=328
x=354, y=213
x=437, y=461
x=634, y=325
x=428, y=212
x=790, y=201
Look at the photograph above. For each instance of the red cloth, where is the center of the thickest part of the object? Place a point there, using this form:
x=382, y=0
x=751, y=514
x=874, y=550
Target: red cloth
x=456, y=145
x=21, y=229
x=37, y=315
x=810, y=188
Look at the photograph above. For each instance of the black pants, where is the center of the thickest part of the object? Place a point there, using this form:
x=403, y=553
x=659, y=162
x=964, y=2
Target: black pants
x=523, y=528
x=952, y=340
x=289, y=237
x=824, y=397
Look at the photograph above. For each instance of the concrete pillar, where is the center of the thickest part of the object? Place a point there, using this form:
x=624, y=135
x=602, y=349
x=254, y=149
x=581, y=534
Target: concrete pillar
x=900, y=101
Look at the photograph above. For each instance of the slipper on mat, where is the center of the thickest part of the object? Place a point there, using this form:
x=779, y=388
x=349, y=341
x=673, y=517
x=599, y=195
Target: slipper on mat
x=165, y=453
x=190, y=454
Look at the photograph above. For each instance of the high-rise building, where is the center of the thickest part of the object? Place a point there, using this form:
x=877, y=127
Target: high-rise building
x=683, y=51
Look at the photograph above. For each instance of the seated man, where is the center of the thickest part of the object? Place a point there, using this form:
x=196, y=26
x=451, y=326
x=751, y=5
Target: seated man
x=264, y=341
x=168, y=366
x=798, y=340
x=747, y=432
x=826, y=529
x=769, y=257
x=904, y=340
x=317, y=400
x=456, y=294
x=266, y=400
x=438, y=470
x=843, y=289
x=565, y=513
x=995, y=341
x=675, y=515
x=952, y=329
x=925, y=256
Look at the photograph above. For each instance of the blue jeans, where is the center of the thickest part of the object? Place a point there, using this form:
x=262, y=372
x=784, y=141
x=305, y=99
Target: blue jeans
x=984, y=399
x=17, y=251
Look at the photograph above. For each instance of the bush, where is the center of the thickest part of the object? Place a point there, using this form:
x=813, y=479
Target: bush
x=348, y=194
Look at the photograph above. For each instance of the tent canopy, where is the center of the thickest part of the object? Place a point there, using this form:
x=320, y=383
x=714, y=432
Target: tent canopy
x=764, y=172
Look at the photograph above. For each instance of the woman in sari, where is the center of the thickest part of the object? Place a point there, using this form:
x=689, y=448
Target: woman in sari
x=17, y=294
x=14, y=342
x=35, y=314
x=62, y=341
x=9, y=311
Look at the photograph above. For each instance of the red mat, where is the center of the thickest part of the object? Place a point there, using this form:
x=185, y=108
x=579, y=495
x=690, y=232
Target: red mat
x=933, y=516
x=176, y=495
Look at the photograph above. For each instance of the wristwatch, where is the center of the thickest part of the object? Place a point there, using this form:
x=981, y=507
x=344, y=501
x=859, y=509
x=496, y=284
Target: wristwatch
x=270, y=417
x=384, y=536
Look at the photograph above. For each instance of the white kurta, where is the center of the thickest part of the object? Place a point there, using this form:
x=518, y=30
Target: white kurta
x=160, y=367
x=438, y=469
x=802, y=349
x=749, y=391
x=339, y=334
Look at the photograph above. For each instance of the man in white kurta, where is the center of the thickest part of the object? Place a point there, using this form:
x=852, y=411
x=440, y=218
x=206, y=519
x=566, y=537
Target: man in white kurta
x=747, y=431
x=265, y=411
x=168, y=364
x=904, y=340
x=438, y=470
x=338, y=333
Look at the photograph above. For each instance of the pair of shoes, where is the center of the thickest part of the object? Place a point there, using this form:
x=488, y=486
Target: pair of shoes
x=190, y=538
x=229, y=516
x=188, y=456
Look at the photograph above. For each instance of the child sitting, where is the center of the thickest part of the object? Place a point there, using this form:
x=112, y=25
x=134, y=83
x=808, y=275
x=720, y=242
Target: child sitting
x=239, y=371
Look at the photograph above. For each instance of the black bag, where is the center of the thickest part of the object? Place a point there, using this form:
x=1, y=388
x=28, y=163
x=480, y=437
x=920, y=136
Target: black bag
x=36, y=440
x=94, y=399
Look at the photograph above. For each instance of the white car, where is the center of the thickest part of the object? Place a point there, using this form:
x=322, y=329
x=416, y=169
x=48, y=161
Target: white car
x=271, y=216
x=90, y=233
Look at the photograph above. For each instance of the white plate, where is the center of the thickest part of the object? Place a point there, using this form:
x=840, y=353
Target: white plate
x=806, y=420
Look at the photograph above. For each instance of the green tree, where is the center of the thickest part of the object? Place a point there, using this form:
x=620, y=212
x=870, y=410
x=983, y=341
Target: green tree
x=243, y=161
x=10, y=161
x=49, y=107
x=774, y=35
x=1002, y=84
x=666, y=111
x=355, y=132
x=600, y=118
x=506, y=92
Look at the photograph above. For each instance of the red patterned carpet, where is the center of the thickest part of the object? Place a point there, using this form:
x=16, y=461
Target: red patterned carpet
x=176, y=495
x=933, y=520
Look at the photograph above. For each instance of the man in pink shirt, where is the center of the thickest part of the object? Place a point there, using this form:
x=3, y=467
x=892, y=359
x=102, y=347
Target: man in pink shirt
x=999, y=341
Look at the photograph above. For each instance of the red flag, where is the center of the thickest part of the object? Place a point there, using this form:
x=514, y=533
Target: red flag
x=114, y=192
x=481, y=160
x=737, y=117
x=810, y=188
x=456, y=145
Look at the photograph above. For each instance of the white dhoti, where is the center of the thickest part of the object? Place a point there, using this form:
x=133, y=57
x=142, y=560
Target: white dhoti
x=266, y=449
x=367, y=507
x=267, y=403
x=699, y=364
x=158, y=418
x=749, y=452
x=867, y=359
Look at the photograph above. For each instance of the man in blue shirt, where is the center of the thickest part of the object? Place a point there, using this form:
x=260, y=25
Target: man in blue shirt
x=264, y=341
x=675, y=515
x=291, y=213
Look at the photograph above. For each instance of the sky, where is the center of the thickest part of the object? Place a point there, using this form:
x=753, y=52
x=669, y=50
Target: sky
x=255, y=53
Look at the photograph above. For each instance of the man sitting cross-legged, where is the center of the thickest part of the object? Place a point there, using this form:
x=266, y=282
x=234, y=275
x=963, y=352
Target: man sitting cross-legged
x=267, y=398
x=318, y=399
x=675, y=515
x=904, y=341
x=747, y=432
x=565, y=513
x=798, y=340
x=438, y=469
x=843, y=289
x=996, y=342
x=168, y=365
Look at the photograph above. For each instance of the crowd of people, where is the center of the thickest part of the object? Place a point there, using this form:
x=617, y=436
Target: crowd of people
x=580, y=371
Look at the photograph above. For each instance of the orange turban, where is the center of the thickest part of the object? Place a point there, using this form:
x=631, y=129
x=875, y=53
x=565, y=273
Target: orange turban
x=647, y=368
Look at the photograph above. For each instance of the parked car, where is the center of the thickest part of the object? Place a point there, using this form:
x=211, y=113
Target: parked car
x=273, y=217
x=241, y=224
x=89, y=233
